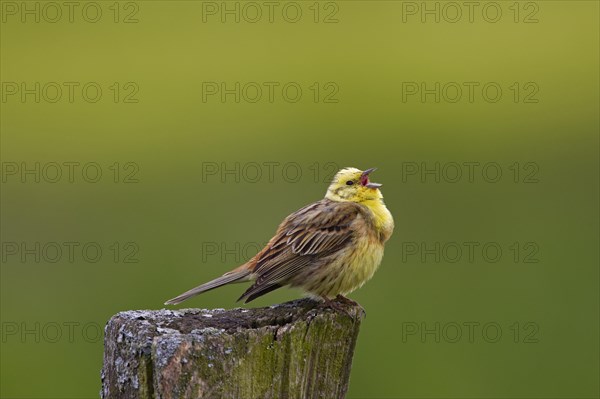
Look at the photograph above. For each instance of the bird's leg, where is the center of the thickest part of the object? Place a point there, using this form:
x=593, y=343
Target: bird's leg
x=348, y=301
x=343, y=299
x=335, y=306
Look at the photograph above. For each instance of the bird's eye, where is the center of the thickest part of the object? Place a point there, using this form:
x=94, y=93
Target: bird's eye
x=349, y=183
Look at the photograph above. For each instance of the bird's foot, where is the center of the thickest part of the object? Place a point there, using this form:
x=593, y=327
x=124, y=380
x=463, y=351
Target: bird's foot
x=337, y=304
x=348, y=301
x=343, y=299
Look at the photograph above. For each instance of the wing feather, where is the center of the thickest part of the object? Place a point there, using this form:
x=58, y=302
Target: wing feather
x=315, y=231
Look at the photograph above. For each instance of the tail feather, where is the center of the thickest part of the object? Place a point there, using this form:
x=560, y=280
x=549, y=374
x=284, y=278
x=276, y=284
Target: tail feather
x=235, y=276
x=255, y=291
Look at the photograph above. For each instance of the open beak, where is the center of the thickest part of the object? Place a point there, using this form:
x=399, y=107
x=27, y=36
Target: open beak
x=364, y=179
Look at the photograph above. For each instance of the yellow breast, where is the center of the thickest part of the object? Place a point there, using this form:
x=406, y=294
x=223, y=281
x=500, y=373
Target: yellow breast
x=361, y=265
x=382, y=217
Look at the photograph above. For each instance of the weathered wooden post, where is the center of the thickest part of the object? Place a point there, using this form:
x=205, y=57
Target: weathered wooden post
x=294, y=350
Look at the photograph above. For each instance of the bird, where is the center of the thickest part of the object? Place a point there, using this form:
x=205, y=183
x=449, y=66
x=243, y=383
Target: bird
x=328, y=248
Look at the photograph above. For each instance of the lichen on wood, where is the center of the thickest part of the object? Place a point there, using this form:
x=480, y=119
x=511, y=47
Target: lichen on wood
x=298, y=349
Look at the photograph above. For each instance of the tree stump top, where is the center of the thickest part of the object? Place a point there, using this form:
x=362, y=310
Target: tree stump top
x=295, y=350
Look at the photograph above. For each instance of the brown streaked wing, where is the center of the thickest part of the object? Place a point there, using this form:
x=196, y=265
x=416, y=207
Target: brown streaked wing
x=315, y=231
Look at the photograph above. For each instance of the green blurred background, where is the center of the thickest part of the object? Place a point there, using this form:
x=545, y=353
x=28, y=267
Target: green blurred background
x=175, y=215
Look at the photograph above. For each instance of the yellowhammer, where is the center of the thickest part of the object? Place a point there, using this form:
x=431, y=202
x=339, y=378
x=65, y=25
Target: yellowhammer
x=328, y=248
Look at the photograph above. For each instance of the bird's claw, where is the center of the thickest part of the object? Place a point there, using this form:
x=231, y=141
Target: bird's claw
x=346, y=300
x=337, y=305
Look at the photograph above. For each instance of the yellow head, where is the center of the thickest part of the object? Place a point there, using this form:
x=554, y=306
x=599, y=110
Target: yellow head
x=351, y=184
